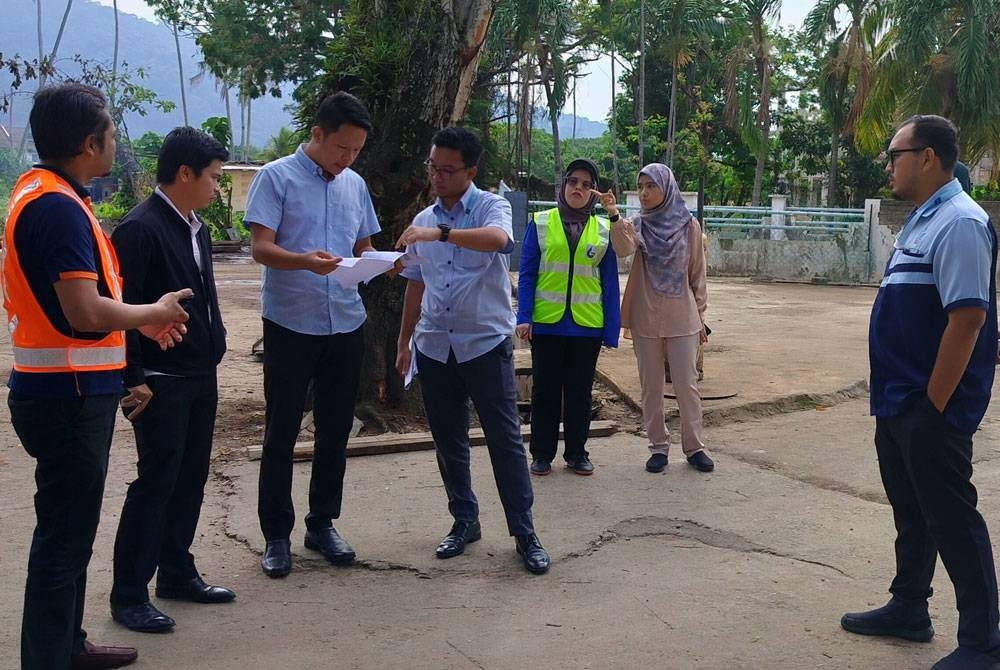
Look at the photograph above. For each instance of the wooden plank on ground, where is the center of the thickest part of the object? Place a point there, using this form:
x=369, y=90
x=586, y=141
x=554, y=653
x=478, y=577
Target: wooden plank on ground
x=395, y=443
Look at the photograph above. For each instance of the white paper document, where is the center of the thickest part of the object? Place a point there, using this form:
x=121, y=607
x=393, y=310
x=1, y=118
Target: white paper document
x=353, y=271
x=412, y=371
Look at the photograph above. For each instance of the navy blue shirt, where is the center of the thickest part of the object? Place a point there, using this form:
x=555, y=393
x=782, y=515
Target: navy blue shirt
x=53, y=237
x=944, y=258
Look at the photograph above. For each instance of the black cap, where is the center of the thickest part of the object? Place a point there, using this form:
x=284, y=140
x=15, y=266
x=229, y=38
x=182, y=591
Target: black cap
x=584, y=164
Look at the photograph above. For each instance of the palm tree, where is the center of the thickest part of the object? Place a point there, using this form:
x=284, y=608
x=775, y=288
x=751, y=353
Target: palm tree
x=545, y=38
x=282, y=144
x=685, y=23
x=939, y=56
x=847, y=69
x=45, y=63
x=754, y=46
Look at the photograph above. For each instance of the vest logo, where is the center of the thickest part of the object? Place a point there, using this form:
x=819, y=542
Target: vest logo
x=591, y=251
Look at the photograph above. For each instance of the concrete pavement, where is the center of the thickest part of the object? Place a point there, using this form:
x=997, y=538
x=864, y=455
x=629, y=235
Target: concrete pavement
x=747, y=567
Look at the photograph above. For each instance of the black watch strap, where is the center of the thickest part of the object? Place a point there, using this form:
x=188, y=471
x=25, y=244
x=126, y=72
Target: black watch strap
x=445, y=231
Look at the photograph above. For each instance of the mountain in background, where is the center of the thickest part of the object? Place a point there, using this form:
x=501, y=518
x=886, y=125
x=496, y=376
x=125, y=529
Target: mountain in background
x=150, y=46
x=585, y=127
x=142, y=44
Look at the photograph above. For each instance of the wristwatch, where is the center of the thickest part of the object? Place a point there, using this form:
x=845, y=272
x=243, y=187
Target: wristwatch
x=445, y=231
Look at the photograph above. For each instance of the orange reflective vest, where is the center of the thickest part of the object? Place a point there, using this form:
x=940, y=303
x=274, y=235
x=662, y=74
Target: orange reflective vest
x=38, y=346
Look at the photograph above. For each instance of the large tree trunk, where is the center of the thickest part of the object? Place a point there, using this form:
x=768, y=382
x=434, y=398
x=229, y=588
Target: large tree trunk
x=431, y=88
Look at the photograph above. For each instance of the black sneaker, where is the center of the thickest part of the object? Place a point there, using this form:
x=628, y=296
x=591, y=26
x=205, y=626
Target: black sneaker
x=701, y=461
x=540, y=467
x=581, y=466
x=656, y=463
x=898, y=618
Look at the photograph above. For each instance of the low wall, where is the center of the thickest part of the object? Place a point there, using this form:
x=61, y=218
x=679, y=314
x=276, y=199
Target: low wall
x=842, y=259
x=858, y=257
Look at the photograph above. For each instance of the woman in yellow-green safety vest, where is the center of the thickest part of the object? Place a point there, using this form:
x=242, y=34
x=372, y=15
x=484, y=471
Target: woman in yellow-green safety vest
x=567, y=308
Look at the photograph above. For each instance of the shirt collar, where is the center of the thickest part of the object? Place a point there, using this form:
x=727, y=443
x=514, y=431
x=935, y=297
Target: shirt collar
x=468, y=199
x=81, y=191
x=194, y=221
x=309, y=164
x=941, y=196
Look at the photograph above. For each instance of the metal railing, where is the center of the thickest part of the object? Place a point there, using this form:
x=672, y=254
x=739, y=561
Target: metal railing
x=807, y=222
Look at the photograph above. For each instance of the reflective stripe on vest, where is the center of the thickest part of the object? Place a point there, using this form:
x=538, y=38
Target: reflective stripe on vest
x=555, y=289
x=38, y=346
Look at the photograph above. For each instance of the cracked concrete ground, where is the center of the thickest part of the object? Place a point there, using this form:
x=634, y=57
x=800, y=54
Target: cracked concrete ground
x=747, y=567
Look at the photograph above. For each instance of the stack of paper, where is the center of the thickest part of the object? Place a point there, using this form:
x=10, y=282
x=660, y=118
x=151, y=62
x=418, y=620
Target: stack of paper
x=352, y=271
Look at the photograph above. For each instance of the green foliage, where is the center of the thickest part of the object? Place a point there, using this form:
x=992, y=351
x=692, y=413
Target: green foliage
x=219, y=215
x=987, y=192
x=283, y=144
x=11, y=167
x=126, y=94
x=219, y=128
x=255, y=45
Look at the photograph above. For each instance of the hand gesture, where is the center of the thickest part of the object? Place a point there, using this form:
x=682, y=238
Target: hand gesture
x=321, y=262
x=418, y=234
x=167, y=327
x=137, y=399
x=608, y=200
x=523, y=331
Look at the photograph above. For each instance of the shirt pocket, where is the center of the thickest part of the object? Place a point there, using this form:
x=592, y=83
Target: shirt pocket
x=468, y=259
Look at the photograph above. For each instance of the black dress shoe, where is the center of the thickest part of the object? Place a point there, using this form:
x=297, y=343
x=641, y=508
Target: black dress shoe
x=461, y=534
x=535, y=558
x=100, y=657
x=898, y=618
x=333, y=547
x=277, y=558
x=195, y=590
x=144, y=618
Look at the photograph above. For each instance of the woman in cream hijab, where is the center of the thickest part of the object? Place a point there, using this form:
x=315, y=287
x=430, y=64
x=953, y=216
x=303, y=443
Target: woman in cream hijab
x=664, y=307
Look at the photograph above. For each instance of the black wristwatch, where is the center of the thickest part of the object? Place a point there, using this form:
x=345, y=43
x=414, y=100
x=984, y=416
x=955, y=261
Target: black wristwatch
x=445, y=231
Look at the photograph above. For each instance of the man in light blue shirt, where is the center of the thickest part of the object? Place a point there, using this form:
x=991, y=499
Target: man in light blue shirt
x=306, y=212
x=457, y=309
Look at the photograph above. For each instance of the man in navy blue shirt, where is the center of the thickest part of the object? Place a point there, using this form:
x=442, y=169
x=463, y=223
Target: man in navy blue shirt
x=933, y=346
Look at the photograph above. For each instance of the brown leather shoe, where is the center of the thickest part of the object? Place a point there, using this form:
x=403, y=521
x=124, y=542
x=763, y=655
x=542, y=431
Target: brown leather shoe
x=96, y=657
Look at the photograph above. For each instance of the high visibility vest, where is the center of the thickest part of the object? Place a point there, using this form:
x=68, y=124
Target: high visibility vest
x=38, y=346
x=564, y=279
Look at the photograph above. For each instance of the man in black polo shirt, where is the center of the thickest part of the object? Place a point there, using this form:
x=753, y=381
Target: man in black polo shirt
x=172, y=394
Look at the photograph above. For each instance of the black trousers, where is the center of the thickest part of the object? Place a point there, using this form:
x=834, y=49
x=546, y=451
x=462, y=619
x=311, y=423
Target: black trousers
x=562, y=384
x=291, y=360
x=487, y=380
x=926, y=467
x=70, y=439
x=173, y=437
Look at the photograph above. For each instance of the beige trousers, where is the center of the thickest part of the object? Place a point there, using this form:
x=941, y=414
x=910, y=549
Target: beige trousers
x=681, y=353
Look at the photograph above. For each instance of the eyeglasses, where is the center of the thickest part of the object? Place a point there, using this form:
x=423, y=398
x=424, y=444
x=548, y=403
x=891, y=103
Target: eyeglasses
x=574, y=182
x=893, y=154
x=446, y=171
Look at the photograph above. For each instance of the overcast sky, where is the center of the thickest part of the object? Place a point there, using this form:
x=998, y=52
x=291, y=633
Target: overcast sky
x=593, y=97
